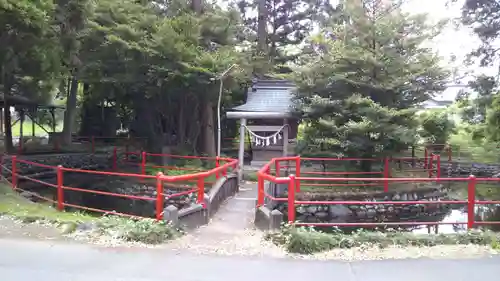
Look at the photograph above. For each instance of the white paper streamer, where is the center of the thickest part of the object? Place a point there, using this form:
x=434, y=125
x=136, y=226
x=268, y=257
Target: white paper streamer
x=267, y=140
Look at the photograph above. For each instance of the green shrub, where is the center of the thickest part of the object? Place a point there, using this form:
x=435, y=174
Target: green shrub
x=147, y=231
x=303, y=240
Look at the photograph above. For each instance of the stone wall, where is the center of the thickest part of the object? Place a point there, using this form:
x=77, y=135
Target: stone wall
x=456, y=168
x=127, y=186
x=197, y=214
x=94, y=182
x=366, y=213
x=73, y=160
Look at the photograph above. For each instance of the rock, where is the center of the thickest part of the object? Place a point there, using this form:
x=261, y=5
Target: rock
x=311, y=209
x=301, y=209
x=28, y=195
x=339, y=211
x=321, y=215
x=86, y=226
x=68, y=227
x=371, y=213
x=361, y=214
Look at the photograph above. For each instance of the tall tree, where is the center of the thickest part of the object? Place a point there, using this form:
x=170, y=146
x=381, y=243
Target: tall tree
x=379, y=54
x=375, y=53
x=278, y=27
x=484, y=18
x=71, y=17
x=28, y=55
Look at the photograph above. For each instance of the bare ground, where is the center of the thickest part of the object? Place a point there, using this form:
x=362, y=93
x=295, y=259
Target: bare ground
x=12, y=228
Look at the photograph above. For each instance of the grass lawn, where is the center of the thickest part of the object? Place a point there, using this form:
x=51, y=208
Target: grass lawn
x=27, y=127
x=12, y=204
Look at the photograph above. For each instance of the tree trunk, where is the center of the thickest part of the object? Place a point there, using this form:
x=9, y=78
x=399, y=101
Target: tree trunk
x=181, y=126
x=197, y=6
x=9, y=146
x=70, y=114
x=262, y=27
x=261, y=64
x=194, y=126
x=208, y=129
x=366, y=165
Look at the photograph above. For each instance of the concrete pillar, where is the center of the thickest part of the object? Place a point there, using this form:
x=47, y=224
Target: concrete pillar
x=241, y=152
x=275, y=220
x=171, y=214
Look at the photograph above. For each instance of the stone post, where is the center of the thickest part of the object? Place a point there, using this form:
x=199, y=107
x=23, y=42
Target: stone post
x=171, y=214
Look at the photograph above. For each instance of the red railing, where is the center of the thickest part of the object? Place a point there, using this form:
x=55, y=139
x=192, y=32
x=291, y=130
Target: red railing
x=142, y=162
x=294, y=182
x=158, y=180
x=432, y=168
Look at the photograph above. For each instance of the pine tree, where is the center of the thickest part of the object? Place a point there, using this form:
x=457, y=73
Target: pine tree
x=362, y=78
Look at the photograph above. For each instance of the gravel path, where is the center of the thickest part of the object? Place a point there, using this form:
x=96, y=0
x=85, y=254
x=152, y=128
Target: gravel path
x=231, y=231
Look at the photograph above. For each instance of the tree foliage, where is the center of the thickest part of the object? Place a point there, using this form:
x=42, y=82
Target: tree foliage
x=375, y=53
x=152, y=66
x=436, y=127
x=484, y=18
x=358, y=127
x=378, y=54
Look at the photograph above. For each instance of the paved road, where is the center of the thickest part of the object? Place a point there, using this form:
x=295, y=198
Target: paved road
x=22, y=260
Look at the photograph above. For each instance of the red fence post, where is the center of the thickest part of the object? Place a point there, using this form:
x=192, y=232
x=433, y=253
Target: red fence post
x=429, y=166
x=224, y=170
x=60, y=191
x=114, y=158
x=438, y=166
x=217, y=165
x=14, y=172
x=426, y=155
x=386, y=174
x=201, y=189
x=92, y=144
x=471, y=201
x=277, y=167
x=159, y=196
x=143, y=163
x=291, y=199
x=297, y=173
x=260, y=190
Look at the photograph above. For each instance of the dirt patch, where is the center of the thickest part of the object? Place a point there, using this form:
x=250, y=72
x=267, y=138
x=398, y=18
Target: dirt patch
x=13, y=228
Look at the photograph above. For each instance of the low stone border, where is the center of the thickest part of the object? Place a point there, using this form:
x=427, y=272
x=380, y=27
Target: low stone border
x=198, y=215
x=266, y=218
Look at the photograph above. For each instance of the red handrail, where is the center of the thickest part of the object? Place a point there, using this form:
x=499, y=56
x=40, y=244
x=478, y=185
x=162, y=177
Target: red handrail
x=223, y=167
x=293, y=182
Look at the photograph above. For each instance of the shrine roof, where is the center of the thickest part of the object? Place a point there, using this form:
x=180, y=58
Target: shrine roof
x=266, y=98
x=23, y=102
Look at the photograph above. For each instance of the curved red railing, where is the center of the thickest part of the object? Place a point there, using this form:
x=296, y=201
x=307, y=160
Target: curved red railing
x=294, y=182
x=223, y=167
